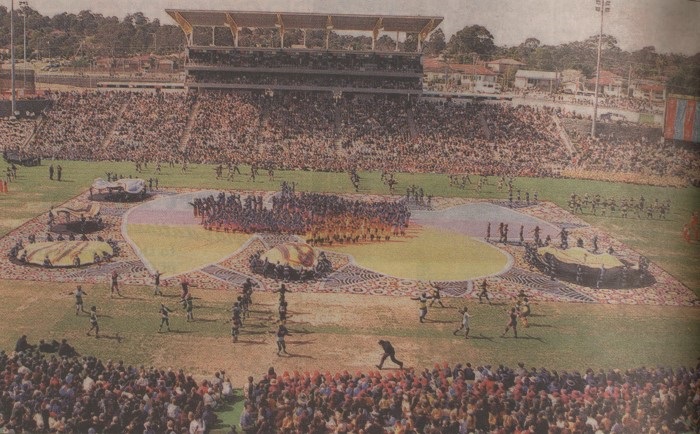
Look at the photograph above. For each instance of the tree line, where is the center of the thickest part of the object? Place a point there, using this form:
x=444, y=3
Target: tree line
x=83, y=37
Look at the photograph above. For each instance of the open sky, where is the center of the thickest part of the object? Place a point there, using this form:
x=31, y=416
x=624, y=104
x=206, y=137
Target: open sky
x=669, y=25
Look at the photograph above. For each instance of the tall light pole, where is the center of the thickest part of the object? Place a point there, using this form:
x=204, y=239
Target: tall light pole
x=12, y=56
x=155, y=42
x=23, y=6
x=601, y=6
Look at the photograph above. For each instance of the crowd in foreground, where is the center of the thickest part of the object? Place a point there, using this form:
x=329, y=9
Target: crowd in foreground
x=337, y=133
x=49, y=388
x=69, y=393
x=475, y=399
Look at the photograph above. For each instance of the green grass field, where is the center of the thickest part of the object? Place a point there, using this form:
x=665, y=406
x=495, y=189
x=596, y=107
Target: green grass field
x=339, y=331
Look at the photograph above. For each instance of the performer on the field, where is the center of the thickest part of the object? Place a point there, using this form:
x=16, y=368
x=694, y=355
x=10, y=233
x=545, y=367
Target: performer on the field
x=282, y=310
x=156, y=279
x=164, y=317
x=281, y=344
x=79, y=293
x=524, y=310
x=187, y=305
x=484, y=292
x=93, y=322
x=436, y=294
x=512, y=322
x=115, y=284
x=423, y=309
x=390, y=353
x=235, y=329
x=465, y=323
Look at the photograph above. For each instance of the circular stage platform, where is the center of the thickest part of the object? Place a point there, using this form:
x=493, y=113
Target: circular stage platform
x=65, y=253
x=595, y=270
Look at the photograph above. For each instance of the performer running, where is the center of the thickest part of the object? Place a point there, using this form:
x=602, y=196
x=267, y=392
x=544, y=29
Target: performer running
x=465, y=322
x=164, y=317
x=388, y=352
x=436, y=294
x=512, y=322
x=484, y=292
x=93, y=322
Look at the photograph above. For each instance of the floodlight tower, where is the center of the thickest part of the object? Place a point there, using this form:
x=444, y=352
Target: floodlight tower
x=12, y=56
x=601, y=6
x=24, y=7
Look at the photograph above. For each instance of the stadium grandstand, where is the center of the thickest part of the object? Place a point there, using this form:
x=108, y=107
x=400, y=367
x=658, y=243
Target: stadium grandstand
x=283, y=66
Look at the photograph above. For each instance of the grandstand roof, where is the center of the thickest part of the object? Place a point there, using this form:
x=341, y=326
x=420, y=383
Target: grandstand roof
x=301, y=20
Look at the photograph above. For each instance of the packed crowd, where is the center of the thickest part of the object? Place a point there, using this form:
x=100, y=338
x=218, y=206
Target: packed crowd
x=465, y=399
x=42, y=392
x=15, y=131
x=112, y=126
x=316, y=60
x=342, y=133
x=150, y=127
x=611, y=153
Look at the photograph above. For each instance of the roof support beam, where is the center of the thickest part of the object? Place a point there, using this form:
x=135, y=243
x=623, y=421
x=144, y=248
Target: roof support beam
x=329, y=27
x=423, y=35
x=231, y=23
x=378, y=26
x=280, y=25
x=185, y=26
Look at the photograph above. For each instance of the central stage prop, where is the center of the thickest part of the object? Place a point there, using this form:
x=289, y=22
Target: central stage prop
x=291, y=262
x=121, y=190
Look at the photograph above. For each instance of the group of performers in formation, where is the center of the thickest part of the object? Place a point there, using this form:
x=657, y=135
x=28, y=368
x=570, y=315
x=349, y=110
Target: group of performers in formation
x=515, y=195
x=627, y=207
x=320, y=218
